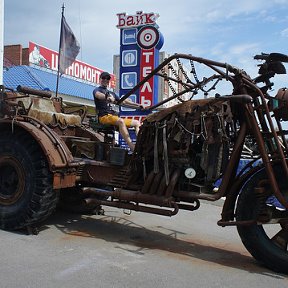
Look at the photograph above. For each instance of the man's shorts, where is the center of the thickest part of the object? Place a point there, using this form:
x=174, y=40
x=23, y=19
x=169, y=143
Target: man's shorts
x=112, y=119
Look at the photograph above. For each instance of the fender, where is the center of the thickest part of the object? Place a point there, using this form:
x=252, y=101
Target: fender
x=231, y=198
x=59, y=158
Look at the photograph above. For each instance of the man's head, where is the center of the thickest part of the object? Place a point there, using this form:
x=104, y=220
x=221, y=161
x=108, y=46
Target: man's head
x=105, y=78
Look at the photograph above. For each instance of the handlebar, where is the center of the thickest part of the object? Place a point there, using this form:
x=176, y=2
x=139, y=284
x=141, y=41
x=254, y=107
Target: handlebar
x=272, y=57
x=262, y=56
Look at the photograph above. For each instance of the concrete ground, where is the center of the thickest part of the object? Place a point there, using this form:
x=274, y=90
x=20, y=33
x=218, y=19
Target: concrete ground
x=137, y=250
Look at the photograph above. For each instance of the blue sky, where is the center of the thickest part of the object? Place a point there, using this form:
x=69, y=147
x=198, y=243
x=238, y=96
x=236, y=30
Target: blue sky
x=223, y=30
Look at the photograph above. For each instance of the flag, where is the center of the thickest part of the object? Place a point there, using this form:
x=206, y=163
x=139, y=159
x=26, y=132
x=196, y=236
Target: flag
x=69, y=47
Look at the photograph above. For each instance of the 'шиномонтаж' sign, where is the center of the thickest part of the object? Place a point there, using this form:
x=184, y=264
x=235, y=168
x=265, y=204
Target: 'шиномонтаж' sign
x=47, y=58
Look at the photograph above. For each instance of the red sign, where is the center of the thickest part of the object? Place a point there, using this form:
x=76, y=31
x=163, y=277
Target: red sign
x=140, y=118
x=127, y=21
x=146, y=67
x=44, y=57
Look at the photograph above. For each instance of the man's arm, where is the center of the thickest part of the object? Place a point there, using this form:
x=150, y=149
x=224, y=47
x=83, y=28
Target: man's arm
x=104, y=96
x=111, y=97
x=131, y=104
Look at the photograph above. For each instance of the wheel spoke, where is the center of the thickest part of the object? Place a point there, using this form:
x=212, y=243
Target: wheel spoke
x=281, y=238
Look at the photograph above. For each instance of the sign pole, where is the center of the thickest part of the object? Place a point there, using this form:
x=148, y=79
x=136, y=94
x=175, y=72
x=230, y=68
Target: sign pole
x=58, y=72
x=1, y=40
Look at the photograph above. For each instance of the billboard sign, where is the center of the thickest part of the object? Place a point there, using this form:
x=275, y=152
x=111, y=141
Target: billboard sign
x=47, y=58
x=139, y=19
x=140, y=42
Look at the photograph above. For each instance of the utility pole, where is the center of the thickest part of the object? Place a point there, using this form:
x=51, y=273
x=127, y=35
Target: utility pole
x=1, y=40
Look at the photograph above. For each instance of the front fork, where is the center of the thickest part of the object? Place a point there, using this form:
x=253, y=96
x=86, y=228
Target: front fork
x=264, y=155
x=230, y=185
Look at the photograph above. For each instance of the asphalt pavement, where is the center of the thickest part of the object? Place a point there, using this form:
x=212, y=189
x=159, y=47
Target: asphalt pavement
x=132, y=250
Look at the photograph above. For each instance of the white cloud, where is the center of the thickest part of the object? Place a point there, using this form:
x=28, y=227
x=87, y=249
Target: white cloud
x=219, y=29
x=284, y=33
x=244, y=48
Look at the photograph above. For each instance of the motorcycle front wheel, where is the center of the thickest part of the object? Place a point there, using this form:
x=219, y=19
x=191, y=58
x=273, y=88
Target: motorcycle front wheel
x=267, y=243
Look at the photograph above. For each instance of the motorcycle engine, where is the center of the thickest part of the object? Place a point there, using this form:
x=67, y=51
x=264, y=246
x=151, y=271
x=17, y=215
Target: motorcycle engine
x=191, y=136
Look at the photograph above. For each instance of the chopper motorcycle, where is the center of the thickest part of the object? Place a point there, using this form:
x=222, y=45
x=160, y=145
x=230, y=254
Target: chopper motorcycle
x=224, y=138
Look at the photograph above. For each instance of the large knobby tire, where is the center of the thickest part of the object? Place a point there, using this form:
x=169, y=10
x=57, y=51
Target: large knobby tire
x=26, y=192
x=266, y=243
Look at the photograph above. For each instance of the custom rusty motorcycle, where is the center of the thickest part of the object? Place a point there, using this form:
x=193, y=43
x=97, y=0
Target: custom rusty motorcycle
x=225, y=137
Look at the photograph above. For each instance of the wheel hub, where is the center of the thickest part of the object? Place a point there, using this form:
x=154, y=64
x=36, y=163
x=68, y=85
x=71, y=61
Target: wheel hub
x=12, y=180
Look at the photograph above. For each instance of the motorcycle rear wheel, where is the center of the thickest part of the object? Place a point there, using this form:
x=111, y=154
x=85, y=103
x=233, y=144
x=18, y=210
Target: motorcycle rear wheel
x=268, y=243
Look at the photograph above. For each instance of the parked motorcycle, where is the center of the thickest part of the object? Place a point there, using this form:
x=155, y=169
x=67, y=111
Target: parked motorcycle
x=226, y=138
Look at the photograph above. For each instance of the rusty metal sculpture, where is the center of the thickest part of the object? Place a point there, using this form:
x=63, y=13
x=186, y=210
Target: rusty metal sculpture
x=184, y=153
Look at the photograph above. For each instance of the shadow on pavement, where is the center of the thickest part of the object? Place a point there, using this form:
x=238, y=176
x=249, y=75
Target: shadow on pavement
x=120, y=230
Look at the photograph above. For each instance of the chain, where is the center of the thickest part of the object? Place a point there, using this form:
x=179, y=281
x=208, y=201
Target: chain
x=177, y=77
x=173, y=71
x=193, y=71
x=183, y=72
x=168, y=81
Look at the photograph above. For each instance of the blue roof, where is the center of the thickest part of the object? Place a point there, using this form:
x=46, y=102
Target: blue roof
x=45, y=80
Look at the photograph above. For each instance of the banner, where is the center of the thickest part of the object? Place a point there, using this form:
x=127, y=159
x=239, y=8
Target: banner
x=69, y=46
